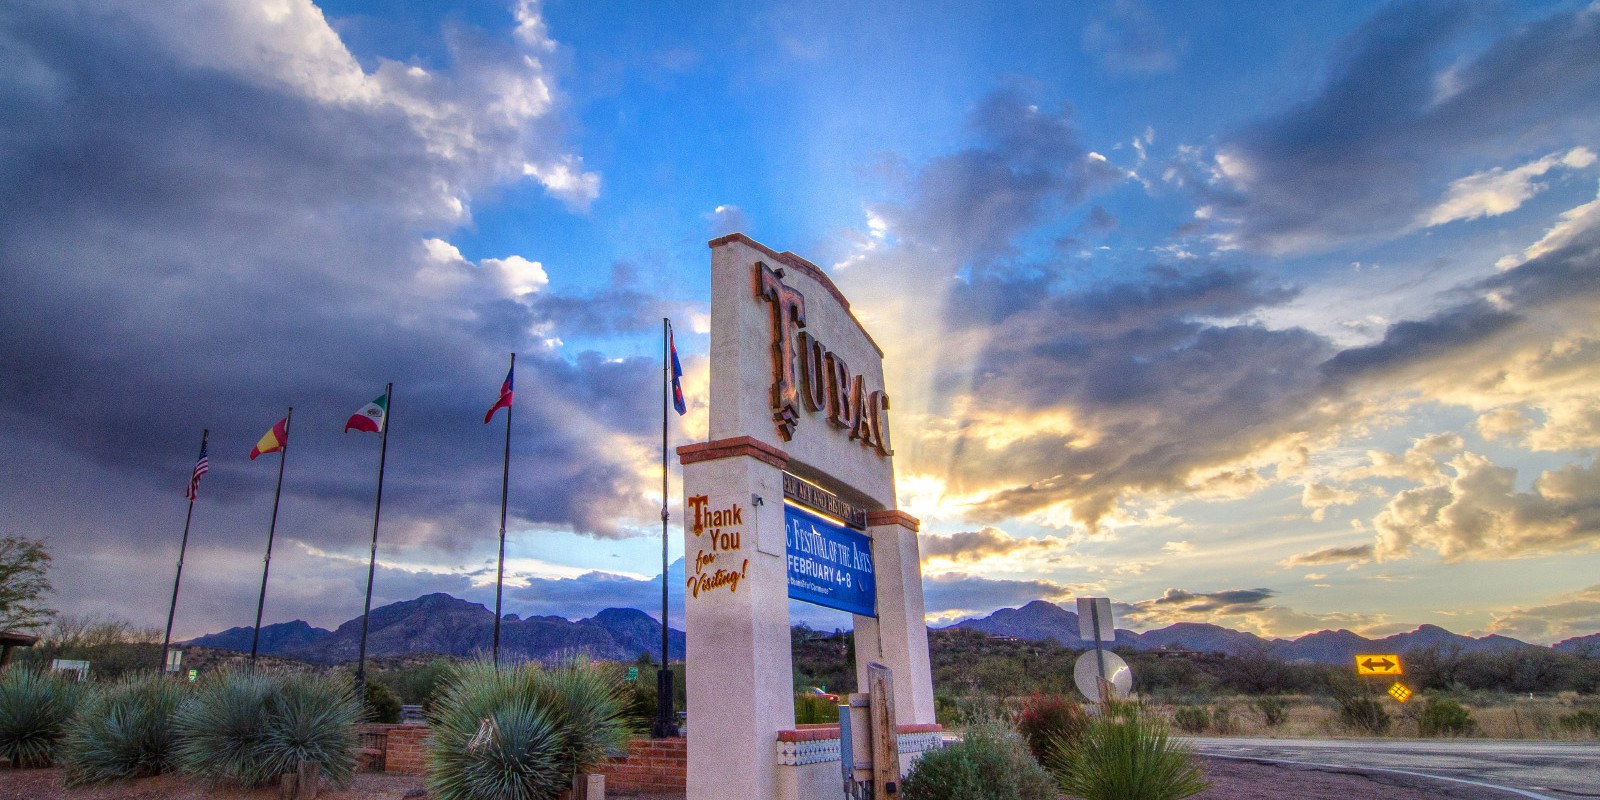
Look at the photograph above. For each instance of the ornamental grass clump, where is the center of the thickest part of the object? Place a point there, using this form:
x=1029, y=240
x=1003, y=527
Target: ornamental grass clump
x=1126, y=756
x=35, y=708
x=123, y=730
x=249, y=728
x=523, y=731
x=1045, y=718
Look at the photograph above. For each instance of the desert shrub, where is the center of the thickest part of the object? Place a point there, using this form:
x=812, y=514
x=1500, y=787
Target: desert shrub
x=35, y=708
x=991, y=763
x=1581, y=721
x=1222, y=719
x=380, y=704
x=1126, y=756
x=251, y=727
x=1273, y=710
x=124, y=730
x=1364, y=713
x=522, y=731
x=1191, y=719
x=1047, y=717
x=810, y=709
x=1445, y=717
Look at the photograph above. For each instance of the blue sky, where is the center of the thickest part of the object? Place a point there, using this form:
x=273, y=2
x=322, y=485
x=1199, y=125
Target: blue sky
x=1283, y=320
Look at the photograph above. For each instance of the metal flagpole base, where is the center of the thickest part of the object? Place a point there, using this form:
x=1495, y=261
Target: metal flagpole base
x=665, y=726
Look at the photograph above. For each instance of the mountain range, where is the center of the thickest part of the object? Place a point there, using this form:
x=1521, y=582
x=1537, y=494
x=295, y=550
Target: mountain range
x=1040, y=620
x=442, y=624
x=445, y=625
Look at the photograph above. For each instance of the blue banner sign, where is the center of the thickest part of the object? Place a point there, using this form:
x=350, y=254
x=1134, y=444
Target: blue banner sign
x=829, y=564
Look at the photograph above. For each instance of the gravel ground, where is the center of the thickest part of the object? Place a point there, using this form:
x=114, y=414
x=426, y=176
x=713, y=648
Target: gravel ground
x=1230, y=780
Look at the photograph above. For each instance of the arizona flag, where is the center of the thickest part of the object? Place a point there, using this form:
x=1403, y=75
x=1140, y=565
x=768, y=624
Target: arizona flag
x=371, y=416
x=273, y=441
x=677, y=374
x=505, y=396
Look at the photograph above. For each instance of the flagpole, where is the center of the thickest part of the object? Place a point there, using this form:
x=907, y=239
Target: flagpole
x=272, y=529
x=166, y=641
x=372, y=563
x=664, y=725
x=505, y=483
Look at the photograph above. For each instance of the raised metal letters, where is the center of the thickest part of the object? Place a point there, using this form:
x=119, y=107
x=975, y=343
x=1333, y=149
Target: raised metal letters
x=806, y=373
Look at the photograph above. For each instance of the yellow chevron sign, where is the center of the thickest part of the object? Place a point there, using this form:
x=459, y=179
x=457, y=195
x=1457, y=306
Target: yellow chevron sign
x=1378, y=665
x=1400, y=691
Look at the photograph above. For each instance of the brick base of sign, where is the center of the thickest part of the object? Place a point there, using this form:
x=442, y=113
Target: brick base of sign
x=651, y=765
x=406, y=749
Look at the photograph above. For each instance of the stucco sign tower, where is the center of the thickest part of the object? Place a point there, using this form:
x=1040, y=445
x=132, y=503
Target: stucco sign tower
x=792, y=496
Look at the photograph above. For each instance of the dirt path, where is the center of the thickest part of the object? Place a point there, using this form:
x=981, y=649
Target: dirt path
x=1231, y=780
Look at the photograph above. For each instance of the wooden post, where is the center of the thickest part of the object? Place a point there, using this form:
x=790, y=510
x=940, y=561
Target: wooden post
x=885, y=732
x=302, y=784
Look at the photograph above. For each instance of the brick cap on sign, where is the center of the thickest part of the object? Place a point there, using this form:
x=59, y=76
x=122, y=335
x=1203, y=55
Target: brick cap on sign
x=893, y=516
x=799, y=264
x=730, y=448
x=819, y=733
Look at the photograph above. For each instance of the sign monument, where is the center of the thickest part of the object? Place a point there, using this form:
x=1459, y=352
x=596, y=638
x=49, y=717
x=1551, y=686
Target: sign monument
x=791, y=497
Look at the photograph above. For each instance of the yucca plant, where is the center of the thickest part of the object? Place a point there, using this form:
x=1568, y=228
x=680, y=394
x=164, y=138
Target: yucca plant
x=521, y=732
x=35, y=708
x=124, y=730
x=249, y=728
x=1126, y=756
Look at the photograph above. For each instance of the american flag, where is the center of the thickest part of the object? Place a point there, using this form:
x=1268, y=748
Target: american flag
x=201, y=467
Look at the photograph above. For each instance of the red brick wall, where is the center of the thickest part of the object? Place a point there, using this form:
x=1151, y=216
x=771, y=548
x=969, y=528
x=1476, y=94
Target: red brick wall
x=655, y=765
x=407, y=751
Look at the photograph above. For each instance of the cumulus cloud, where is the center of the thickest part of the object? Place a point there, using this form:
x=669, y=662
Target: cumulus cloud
x=1560, y=617
x=986, y=544
x=1319, y=497
x=1472, y=510
x=1242, y=609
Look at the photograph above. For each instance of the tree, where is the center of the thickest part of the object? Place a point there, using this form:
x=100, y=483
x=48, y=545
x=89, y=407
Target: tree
x=23, y=563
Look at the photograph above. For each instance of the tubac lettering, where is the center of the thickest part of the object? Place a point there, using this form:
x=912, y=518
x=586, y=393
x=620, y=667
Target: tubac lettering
x=805, y=374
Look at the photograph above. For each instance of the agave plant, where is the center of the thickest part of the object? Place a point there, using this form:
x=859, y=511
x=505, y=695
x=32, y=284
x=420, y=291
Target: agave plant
x=521, y=732
x=1126, y=756
x=124, y=730
x=35, y=708
x=249, y=728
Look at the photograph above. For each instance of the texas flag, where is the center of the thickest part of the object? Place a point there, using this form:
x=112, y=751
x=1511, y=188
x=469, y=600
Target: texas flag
x=273, y=441
x=371, y=416
x=505, y=396
x=677, y=375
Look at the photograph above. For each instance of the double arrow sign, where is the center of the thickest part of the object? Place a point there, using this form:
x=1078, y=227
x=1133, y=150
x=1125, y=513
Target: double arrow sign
x=1378, y=665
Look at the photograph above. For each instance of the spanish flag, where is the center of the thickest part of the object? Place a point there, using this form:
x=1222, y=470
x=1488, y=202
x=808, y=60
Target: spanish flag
x=273, y=441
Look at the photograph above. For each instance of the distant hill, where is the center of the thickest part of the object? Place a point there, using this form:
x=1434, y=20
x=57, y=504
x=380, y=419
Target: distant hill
x=275, y=638
x=1041, y=620
x=1579, y=645
x=446, y=625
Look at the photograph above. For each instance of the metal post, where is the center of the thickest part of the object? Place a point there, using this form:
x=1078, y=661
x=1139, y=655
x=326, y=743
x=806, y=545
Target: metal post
x=664, y=725
x=266, y=563
x=166, y=641
x=372, y=563
x=505, y=484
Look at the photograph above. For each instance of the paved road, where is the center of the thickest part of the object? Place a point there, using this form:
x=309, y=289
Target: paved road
x=1565, y=770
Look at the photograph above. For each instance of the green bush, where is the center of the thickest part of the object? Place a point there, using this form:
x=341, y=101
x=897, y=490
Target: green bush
x=1445, y=717
x=1047, y=717
x=251, y=727
x=1191, y=719
x=522, y=731
x=380, y=704
x=35, y=708
x=990, y=763
x=1364, y=713
x=810, y=709
x=124, y=730
x=1273, y=709
x=1222, y=720
x=1582, y=721
x=1126, y=756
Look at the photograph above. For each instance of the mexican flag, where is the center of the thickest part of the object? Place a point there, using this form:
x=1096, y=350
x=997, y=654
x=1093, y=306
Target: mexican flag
x=371, y=416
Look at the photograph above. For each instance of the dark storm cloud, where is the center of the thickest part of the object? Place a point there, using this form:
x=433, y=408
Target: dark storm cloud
x=192, y=240
x=1396, y=121
x=1228, y=601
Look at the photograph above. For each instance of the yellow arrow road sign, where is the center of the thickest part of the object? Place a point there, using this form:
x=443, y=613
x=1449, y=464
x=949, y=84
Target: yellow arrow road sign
x=1378, y=665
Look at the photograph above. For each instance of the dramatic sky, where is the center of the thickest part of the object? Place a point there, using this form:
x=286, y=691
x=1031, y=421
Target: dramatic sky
x=1283, y=319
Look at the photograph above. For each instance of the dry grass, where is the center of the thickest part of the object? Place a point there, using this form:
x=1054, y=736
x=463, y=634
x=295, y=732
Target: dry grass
x=1498, y=717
